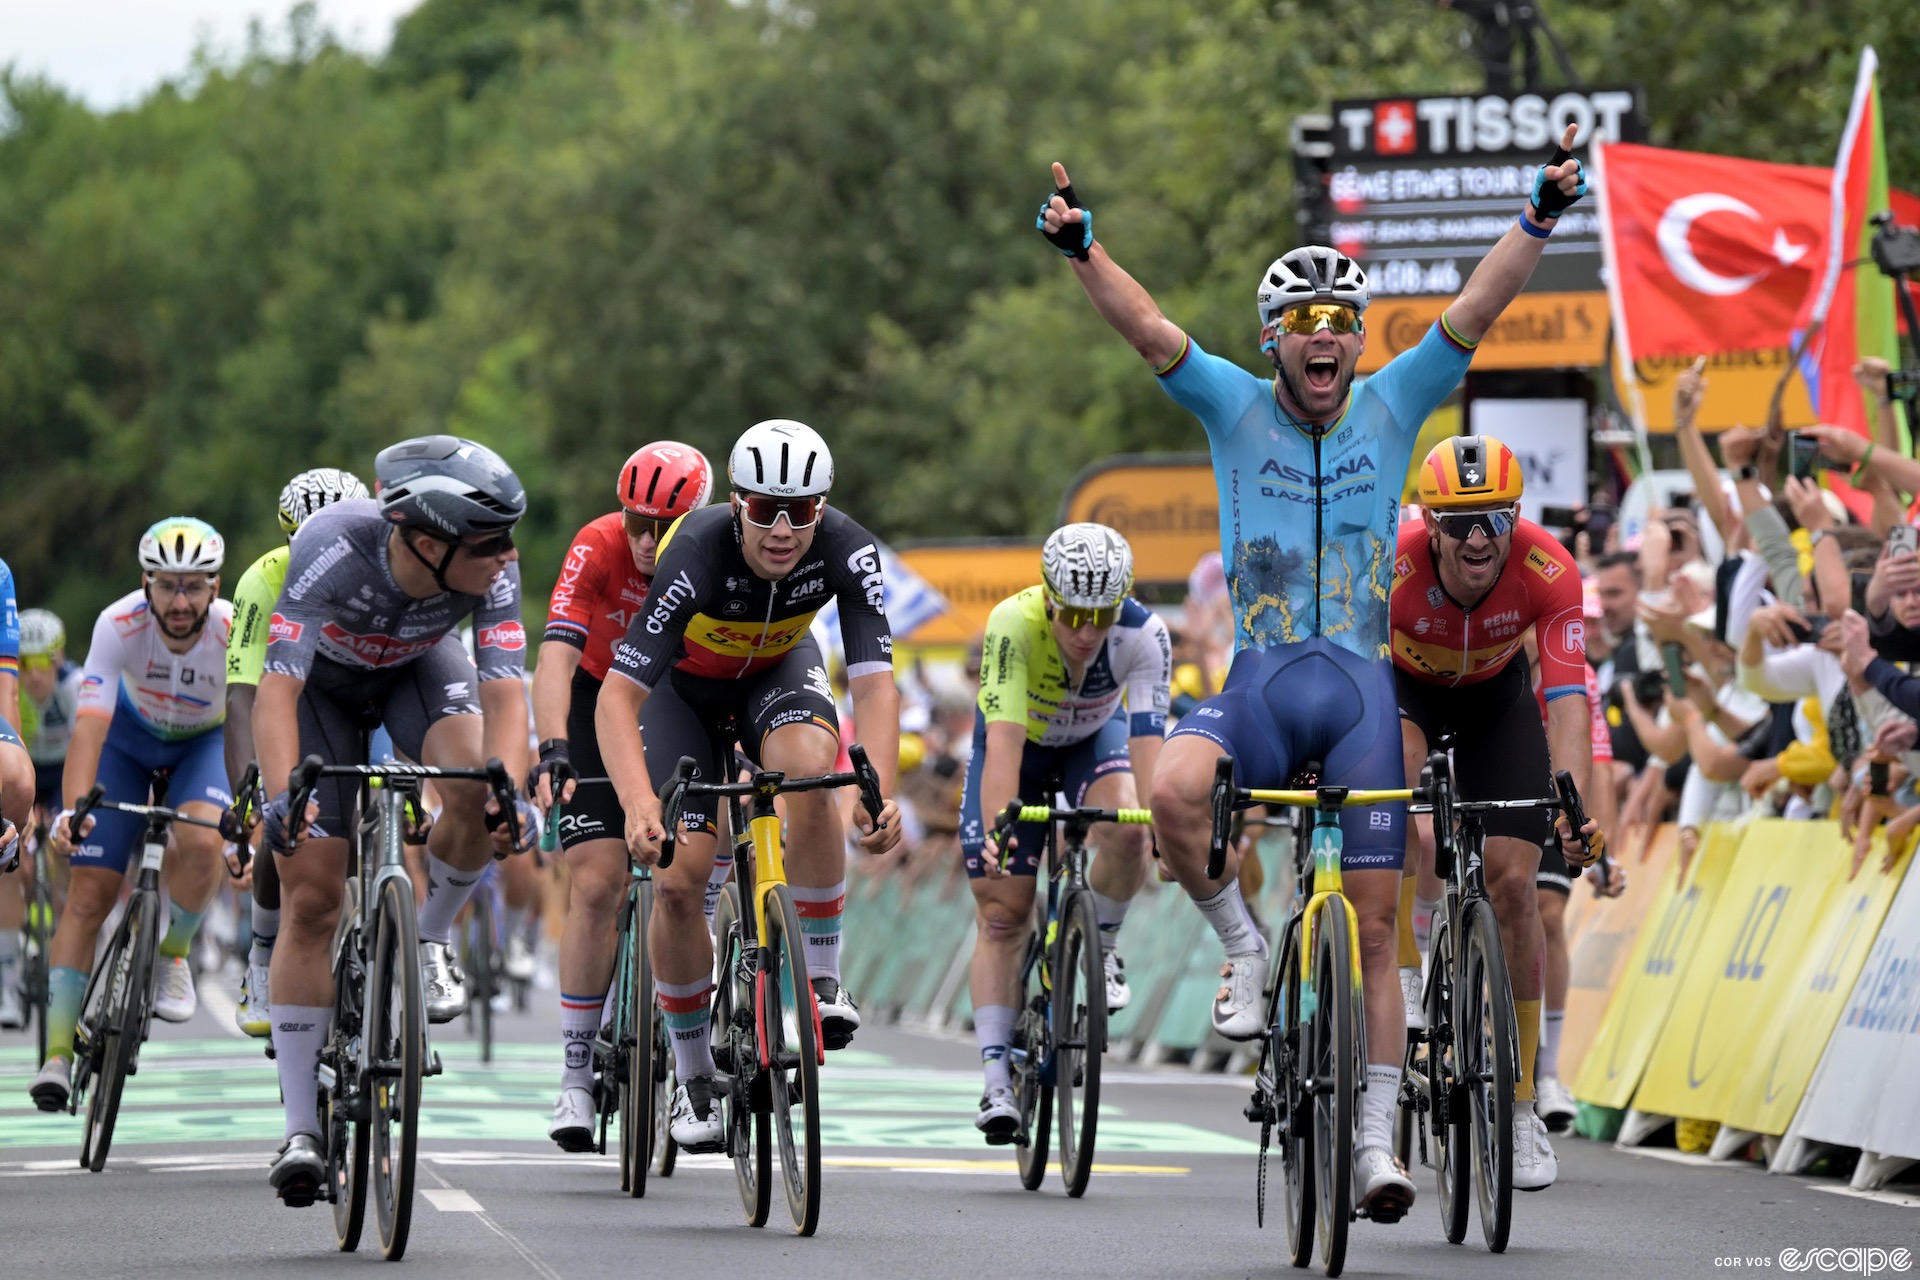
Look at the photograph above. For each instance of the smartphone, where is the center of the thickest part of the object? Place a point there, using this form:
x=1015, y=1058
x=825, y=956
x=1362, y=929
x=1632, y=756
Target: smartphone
x=1859, y=583
x=1903, y=540
x=1811, y=633
x=1562, y=518
x=1877, y=778
x=1801, y=452
x=1676, y=662
x=1646, y=688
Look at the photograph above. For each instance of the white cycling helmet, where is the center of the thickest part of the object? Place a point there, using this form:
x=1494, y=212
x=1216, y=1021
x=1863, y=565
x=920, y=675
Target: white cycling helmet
x=1087, y=566
x=1311, y=273
x=782, y=457
x=311, y=490
x=181, y=544
x=41, y=632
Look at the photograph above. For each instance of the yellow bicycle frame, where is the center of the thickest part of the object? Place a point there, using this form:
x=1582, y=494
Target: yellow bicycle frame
x=769, y=866
x=1326, y=873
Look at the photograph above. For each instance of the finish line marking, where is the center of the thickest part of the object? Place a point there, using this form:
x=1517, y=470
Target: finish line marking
x=451, y=1200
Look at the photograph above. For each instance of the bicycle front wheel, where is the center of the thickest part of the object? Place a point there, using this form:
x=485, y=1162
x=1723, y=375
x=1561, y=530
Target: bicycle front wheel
x=346, y=1134
x=635, y=1043
x=1489, y=1036
x=39, y=935
x=793, y=1050
x=1286, y=1051
x=1451, y=1117
x=479, y=964
x=749, y=1129
x=1080, y=1036
x=397, y=1031
x=127, y=970
x=1033, y=1066
x=1333, y=1035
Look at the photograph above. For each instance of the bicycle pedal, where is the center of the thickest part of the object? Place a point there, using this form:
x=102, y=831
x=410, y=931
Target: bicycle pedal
x=433, y=1064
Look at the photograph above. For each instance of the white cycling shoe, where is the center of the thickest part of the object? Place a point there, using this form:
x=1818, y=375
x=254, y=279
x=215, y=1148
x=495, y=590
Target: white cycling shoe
x=1119, y=994
x=573, y=1120
x=999, y=1116
x=174, y=998
x=254, y=1012
x=1237, y=1014
x=519, y=961
x=1554, y=1104
x=839, y=1015
x=51, y=1088
x=1413, y=992
x=696, y=1122
x=446, y=986
x=1381, y=1187
x=1534, y=1165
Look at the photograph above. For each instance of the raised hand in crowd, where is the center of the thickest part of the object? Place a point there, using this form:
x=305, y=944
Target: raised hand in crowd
x=1609, y=878
x=1760, y=777
x=1809, y=508
x=1899, y=836
x=1893, y=576
x=1856, y=649
x=1774, y=623
x=1896, y=736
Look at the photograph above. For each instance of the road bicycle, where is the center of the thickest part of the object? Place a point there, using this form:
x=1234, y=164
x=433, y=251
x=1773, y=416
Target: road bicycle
x=36, y=936
x=377, y=1050
x=1313, y=1055
x=482, y=961
x=118, y=1006
x=766, y=1021
x=1456, y=1099
x=1061, y=1028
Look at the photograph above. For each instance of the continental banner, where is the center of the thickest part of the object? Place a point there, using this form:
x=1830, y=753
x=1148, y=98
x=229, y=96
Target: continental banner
x=1165, y=505
x=1536, y=331
x=1863, y=1094
x=1769, y=913
x=1638, y=1010
x=1784, y=1056
x=974, y=576
x=1600, y=935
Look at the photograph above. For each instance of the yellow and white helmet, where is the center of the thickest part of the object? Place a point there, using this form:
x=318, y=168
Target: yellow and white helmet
x=182, y=544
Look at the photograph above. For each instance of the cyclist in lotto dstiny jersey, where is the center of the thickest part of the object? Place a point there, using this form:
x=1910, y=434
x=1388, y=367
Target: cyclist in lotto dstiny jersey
x=1309, y=467
x=721, y=654
x=602, y=585
x=364, y=635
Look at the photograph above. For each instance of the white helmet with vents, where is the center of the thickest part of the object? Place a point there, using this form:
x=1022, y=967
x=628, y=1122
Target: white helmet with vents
x=181, y=544
x=1311, y=273
x=781, y=457
x=1087, y=566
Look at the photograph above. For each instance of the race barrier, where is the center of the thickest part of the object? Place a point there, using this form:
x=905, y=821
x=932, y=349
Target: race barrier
x=1759, y=988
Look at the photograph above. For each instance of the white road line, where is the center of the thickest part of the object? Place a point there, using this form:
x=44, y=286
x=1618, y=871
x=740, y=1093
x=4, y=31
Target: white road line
x=1884, y=1197
x=532, y=1259
x=451, y=1200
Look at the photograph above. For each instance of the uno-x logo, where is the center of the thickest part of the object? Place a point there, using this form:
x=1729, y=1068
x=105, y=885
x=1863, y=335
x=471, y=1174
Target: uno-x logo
x=866, y=562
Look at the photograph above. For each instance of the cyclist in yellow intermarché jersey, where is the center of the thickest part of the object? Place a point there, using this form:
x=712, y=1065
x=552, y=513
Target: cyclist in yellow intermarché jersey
x=254, y=600
x=1058, y=659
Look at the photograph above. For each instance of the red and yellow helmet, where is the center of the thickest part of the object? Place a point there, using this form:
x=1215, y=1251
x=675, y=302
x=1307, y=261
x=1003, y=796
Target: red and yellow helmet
x=1470, y=471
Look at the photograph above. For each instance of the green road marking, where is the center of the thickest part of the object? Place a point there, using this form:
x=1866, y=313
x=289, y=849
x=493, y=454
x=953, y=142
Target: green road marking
x=201, y=1091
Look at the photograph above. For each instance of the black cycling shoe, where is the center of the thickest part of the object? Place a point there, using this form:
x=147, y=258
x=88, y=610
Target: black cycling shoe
x=298, y=1171
x=839, y=1016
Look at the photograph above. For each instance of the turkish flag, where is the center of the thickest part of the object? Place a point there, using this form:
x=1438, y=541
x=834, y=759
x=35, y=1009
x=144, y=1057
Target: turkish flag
x=1713, y=253
x=1710, y=253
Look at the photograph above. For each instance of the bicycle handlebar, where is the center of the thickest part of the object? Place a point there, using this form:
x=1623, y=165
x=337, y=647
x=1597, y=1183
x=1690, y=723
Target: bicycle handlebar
x=95, y=799
x=673, y=804
x=307, y=774
x=1016, y=812
x=673, y=796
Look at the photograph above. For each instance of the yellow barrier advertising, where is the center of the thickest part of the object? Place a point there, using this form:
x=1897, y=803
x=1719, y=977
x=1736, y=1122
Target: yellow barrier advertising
x=1600, y=934
x=1673, y=929
x=1783, y=1058
x=1770, y=908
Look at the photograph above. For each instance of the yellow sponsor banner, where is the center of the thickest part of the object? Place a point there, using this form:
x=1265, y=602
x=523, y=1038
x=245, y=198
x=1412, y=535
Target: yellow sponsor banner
x=1781, y=1062
x=1536, y=331
x=1740, y=387
x=1755, y=939
x=1165, y=505
x=973, y=576
x=1638, y=1010
x=1600, y=936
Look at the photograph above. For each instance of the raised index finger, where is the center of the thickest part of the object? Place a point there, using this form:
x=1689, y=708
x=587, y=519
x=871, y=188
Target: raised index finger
x=1060, y=181
x=1566, y=139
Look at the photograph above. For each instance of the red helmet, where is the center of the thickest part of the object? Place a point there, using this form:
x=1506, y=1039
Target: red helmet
x=664, y=480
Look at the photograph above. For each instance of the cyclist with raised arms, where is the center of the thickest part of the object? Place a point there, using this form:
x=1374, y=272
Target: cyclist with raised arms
x=150, y=699
x=721, y=654
x=365, y=634
x=1469, y=581
x=253, y=604
x=1057, y=660
x=602, y=586
x=1309, y=467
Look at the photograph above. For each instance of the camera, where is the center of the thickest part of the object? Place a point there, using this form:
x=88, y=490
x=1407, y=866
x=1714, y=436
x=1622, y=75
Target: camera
x=1896, y=250
x=1904, y=384
x=1649, y=687
x=1811, y=633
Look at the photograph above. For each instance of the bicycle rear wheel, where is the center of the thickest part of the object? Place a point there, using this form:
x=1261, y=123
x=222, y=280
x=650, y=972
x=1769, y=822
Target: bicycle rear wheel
x=346, y=1136
x=1033, y=1066
x=1080, y=1036
x=396, y=1026
x=792, y=1029
x=127, y=969
x=1286, y=1037
x=636, y=1046
x=1334, y=1049
x=478, y=961
x=665, y=1151
x=1452, y=1110
x=749, y=1129
x=39, y=939
x=1489, y=1033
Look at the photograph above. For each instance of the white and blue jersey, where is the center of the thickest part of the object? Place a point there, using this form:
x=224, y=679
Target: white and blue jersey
x=1309, y=516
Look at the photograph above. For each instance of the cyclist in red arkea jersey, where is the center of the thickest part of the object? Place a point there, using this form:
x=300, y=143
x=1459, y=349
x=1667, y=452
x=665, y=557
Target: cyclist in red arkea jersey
x=602, y=584
x=1469, y=580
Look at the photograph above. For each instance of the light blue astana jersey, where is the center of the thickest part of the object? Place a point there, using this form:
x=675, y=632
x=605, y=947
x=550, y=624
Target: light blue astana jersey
x=1308, y=519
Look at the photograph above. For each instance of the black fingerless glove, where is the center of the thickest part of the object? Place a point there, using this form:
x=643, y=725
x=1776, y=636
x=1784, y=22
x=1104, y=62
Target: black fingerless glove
x=1075, y=239
x=1549, y=201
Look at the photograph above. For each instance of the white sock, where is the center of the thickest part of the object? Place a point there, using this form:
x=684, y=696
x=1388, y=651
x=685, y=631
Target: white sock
x=260, y=952
x=516, y=923
x=579, y=1022
x=1378, y=1103
x=717, y=881
x=9, y=945
x=298, y=1032
x=820, y=911
x=1110, y=912
x=687, y=1009
x=1423, y=909
x=266, y=924
x=1548, y=1061
x=448, y=889
x=1226, y=911
x=993, y=1027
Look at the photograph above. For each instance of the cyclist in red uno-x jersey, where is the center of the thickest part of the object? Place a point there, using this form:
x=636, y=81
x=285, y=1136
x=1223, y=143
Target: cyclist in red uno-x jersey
x=1468, y=582
x=603, y=583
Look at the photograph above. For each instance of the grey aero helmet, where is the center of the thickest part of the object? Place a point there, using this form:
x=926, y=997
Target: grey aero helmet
x=449, y=487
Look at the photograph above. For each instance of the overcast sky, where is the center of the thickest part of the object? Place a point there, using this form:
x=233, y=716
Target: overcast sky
x=111, y=52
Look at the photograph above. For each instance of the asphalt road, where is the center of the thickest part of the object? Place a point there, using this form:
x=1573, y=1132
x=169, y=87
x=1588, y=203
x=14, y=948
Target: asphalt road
x=910, y=1190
